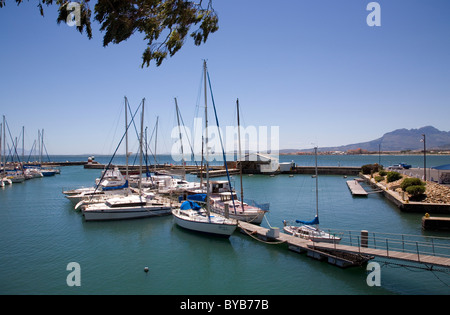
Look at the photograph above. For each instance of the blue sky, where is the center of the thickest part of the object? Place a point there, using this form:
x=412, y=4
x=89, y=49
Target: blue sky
x=313, y=68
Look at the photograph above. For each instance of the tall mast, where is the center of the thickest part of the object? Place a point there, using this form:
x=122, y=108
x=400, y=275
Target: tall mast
x=181, y=140
x=126, y=144
x=141, y=151
x=240, y=156
x=208, y=206
x=23, y=144
x=156, y=138
x=317, y=187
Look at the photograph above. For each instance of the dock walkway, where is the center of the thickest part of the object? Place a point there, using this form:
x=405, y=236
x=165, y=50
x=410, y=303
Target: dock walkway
x=356, y=188
x=349, y=255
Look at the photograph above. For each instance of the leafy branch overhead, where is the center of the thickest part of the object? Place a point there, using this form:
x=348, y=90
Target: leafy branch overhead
x=165, y=23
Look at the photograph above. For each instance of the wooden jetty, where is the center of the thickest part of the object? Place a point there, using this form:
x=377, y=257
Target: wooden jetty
x=356, y=188
x=339, y=254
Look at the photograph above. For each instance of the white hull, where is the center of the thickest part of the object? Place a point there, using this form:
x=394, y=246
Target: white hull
x=125, y=207
x=311, y=233
x=126, y=213
x=249, y=216
x=216, y=225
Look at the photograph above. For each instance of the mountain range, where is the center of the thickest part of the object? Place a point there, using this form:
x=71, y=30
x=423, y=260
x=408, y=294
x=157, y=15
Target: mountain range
x=397, y=140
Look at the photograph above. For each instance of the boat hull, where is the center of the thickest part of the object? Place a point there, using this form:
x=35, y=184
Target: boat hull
x=250, y=217
x=324, y=238
x=126, y=213
x=217, y=229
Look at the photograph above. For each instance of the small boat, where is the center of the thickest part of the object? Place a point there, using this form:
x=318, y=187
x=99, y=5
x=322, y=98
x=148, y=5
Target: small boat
x=193, y=217
x=111, y=182
x=312, y=233
x=307, y=231
x=228, y=205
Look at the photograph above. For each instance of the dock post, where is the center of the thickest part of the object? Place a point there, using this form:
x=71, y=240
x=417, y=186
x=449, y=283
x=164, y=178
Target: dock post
x=364, y=238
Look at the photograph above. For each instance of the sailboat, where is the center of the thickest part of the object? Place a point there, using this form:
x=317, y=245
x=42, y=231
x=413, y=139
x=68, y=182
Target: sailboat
x=237, y=209
x=191, y=215
x=128, y=206
x=310, y=229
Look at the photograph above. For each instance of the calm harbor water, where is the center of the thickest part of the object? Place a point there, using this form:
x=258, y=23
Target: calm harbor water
x=41, y=233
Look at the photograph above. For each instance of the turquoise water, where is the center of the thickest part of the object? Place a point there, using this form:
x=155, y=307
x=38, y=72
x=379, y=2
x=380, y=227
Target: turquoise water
x=41, y=233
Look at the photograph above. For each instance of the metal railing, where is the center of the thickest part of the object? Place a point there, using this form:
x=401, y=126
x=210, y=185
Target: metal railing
x=390, y=242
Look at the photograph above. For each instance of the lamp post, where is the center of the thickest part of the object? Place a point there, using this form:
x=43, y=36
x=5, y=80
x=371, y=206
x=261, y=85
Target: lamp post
x=424, y=157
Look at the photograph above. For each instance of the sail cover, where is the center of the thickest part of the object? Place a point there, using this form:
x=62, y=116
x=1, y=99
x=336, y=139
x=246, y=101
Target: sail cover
x=312, y=222
x=189, y=205
x=197, y=197
x=116, y=187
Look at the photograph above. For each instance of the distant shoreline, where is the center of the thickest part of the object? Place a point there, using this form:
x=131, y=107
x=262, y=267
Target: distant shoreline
x=368, y=153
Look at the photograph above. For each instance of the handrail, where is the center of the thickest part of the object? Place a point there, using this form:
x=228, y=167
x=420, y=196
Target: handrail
x=406, y=243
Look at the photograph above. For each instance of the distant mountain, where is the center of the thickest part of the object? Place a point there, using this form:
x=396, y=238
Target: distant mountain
x=398, y=140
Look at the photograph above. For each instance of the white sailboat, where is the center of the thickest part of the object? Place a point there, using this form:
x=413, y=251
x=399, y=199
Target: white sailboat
x=112, y=182
x=227, y=203
x=193, y=217
x=310, y=229
x=129, y=206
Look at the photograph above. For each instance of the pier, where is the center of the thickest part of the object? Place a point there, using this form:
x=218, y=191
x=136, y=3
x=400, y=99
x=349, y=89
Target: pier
x=355, y=249
x=356, y=188
x=435, y=223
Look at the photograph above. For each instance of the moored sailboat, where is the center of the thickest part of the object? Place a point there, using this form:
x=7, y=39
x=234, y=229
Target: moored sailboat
x=192, y=216
x=310, y=229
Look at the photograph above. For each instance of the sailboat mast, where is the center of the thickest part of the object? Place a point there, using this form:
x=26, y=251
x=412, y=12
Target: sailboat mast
x=240, y=156
x=156, y=139
x=317, y=186
x=141, y=148
x=126, y=143
x=181, y=140
x=208, y=206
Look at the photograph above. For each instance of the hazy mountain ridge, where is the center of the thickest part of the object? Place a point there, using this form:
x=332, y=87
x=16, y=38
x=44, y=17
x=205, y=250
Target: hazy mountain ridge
x=397, y=140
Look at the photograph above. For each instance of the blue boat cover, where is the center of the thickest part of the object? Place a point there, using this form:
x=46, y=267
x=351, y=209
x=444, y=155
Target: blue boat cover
x=189, y=205
x=116, y=187
x=312, y=222
x=197, y=197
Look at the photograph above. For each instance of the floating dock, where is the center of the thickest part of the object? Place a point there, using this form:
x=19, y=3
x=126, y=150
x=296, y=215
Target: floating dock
x=345, y=255
x=342, y=259
x=356, y=188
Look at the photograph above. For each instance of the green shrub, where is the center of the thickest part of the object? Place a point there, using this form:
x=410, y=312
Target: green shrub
x=370, y=168
x=393, y=176
x=415, y=190
x=407, y=182
x=382, y=173
x=379, y=178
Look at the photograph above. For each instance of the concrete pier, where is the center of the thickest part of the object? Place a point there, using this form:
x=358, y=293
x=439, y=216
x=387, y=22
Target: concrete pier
x=356, y=188
x=435, y=223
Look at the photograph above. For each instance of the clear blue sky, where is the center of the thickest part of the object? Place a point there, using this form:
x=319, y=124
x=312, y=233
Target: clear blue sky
x=313, y=68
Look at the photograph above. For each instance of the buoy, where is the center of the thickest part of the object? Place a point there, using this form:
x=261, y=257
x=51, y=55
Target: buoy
x=146, y=269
